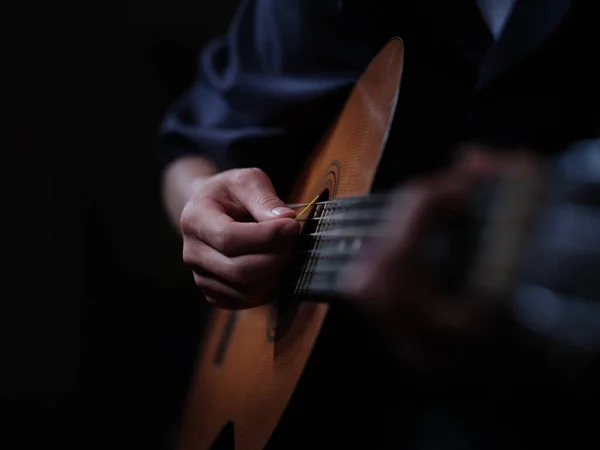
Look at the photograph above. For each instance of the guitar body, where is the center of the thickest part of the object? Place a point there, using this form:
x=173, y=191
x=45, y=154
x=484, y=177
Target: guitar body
x=252, y=359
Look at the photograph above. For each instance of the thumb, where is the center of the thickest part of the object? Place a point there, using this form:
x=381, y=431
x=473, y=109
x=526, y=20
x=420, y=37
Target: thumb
x=254, y=190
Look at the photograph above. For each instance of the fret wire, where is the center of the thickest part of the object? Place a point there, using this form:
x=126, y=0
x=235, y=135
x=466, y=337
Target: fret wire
x=315, y=257
x=304, y=272
x=327, y=241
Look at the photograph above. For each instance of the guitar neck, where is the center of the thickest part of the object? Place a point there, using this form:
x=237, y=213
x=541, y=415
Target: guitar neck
x=336, y=232
x=459, y=251
x=333, y=235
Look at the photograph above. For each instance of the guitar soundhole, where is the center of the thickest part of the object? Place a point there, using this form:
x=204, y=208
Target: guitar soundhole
x=285, y=309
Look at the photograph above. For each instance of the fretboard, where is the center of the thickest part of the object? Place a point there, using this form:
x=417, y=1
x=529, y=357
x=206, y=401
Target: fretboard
x=333, y=234
x=475, y=251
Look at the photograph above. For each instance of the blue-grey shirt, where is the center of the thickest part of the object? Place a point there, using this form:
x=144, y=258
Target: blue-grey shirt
x=266, y=91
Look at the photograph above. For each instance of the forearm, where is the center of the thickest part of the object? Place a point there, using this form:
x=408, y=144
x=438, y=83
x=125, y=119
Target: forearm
x=262, y=107
x=179, y=181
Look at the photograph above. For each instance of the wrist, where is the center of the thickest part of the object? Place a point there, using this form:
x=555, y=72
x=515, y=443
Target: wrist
x=181, y=180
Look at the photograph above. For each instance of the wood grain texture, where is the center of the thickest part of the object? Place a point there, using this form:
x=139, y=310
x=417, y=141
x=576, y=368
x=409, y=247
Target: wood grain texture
x=257, y=375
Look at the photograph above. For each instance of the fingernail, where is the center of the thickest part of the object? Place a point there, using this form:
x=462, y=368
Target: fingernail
x=281, y=210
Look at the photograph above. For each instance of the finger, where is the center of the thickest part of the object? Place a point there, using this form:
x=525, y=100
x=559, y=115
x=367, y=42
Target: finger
x=210, y=223
x=221, y=294
x=368, y=277
x=253, y=189
x=367, y=287
x=384, y=297
x=400, y=260
x=475, y=159
x=243, y=270
x=392, y=265
x=476, y=162
x=411, y=217
x=218, y=293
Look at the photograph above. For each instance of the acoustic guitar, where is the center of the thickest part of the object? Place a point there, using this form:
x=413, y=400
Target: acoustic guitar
x=252, y=360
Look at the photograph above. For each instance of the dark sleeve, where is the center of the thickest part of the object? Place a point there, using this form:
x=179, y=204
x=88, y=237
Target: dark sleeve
x=267, y=90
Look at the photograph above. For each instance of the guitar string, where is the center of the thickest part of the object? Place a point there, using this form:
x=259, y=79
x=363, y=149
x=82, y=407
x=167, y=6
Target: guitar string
x=331, y=240
x=329, y=252
x=316, y=271
x=358, y=209
x=307, y=269
x=331, y=249
x=359, y=216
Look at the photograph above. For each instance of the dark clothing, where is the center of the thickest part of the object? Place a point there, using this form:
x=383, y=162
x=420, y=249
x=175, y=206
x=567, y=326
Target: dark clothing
x=267, y=91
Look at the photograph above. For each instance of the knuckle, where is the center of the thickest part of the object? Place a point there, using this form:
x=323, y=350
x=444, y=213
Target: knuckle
x=187, y=220
x=236, y=273
x=220, y=238
x=254, y=173
x=202, y=284
x=188, y=255
x=198, y=280
x=266, y=198
x=247, y=176
x=212, y=301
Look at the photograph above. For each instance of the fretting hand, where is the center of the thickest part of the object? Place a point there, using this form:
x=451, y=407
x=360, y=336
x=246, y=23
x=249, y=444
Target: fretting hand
x=391, y=283
x=237, y=237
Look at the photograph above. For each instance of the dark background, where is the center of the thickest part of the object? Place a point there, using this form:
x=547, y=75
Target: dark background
x=100, y=320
